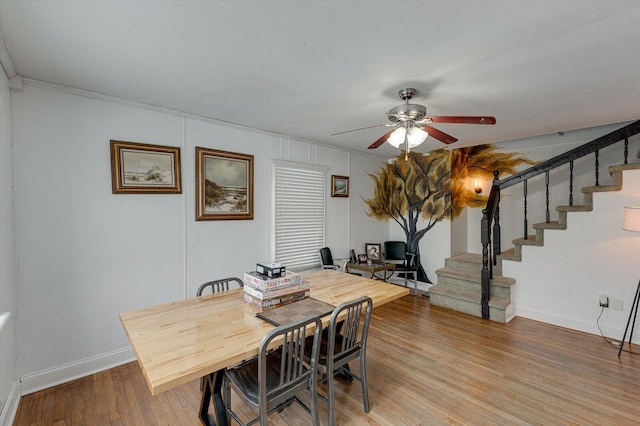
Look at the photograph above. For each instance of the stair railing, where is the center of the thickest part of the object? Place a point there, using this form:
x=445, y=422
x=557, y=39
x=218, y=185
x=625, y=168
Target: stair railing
x=491, y=247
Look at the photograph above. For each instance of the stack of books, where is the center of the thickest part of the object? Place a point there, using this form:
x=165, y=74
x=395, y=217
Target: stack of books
x=267, y=293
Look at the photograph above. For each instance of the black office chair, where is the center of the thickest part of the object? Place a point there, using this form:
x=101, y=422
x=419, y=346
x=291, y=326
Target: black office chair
x=396, y=252
x=327, y=259
x=343, y=341
x=273, y=379
x=220, y=285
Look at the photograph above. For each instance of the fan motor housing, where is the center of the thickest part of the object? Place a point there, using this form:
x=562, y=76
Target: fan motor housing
x=406, y=112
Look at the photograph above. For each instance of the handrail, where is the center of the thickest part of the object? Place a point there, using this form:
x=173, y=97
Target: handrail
x=493, y=202
x=562, y=159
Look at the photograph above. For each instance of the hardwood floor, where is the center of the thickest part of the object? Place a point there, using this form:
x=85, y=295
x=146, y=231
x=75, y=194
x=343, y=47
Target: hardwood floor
x=426, y=366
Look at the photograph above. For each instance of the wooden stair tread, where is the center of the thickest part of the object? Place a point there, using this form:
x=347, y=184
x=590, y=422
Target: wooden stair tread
x=574, y=208
x=621, y=167
x=468, y=257
x=554, y=224
x=530, y=241
x=601, y=188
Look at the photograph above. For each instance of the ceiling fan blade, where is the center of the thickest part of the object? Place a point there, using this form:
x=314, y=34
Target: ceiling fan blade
x=462, y=119
x=438, y=134
x=382, y=139
x=362, y=128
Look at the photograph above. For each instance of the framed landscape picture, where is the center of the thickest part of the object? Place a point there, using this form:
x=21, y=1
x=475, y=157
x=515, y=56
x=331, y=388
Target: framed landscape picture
x=339, y=186
x=138, y=168
x=224, y=185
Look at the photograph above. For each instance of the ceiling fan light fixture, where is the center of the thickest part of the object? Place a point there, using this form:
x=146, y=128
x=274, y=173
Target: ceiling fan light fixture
x=397, y=137
x=416, y=136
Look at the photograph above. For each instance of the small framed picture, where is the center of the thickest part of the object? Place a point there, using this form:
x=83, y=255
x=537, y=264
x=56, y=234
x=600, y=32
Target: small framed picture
x=362, y=258
x=139, y=168
x=224, y=185
x=374, y=251
x=339, y=186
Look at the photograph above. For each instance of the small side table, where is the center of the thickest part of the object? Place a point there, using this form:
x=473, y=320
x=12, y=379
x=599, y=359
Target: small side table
x=386, y=268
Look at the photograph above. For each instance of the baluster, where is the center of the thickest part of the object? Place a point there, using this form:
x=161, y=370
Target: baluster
x=571, y=182
x=626, y=149
x=597, y=168
x=526, y=226
x=546, y=183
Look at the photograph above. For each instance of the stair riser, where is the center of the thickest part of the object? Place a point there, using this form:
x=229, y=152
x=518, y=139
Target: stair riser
x=457, y=284
x=467, y=307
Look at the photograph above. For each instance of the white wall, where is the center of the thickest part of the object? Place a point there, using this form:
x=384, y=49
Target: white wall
x=85, y=255
x=560, y=282
x=8, y=372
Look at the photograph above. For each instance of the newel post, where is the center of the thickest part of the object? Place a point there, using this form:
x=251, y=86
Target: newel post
x=486, y=272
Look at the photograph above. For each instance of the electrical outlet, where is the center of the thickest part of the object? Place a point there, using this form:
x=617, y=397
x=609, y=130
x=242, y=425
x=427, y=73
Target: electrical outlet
x=617, y=304
x=604, y=301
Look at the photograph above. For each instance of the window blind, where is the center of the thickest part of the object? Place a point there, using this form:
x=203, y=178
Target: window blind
x=299, y=215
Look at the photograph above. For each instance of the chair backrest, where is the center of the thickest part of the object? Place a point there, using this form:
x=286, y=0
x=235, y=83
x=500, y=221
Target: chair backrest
x=395, y=250
x=353, y=337
x=295, y=375
x=325, y=255
x=220, y=285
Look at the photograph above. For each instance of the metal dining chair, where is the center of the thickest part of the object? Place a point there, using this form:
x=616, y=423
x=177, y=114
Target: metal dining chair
x=343, y=341
x=220, y=285
x=275, y=378
x=217, y=286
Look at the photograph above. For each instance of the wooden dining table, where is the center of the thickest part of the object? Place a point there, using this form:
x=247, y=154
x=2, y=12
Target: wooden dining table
x=199, y=337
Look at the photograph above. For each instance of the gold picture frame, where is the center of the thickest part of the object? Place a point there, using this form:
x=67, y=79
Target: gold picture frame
x=339, y=186
x=139, y=168
x=374, y=252
x=224, y=185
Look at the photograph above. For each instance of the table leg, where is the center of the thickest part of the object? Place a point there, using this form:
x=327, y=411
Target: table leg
x=213, y=390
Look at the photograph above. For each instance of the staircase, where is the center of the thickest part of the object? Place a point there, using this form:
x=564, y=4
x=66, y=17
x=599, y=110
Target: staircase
x=458, y=288
x=459, y=282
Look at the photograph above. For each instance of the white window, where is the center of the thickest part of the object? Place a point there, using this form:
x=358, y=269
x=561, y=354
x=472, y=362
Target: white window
x=299, y=214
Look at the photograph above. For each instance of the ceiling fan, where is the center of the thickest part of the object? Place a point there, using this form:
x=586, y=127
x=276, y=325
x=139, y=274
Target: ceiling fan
x=411, y=124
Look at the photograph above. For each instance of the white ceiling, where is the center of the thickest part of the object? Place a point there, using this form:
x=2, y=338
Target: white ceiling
x=307, y=69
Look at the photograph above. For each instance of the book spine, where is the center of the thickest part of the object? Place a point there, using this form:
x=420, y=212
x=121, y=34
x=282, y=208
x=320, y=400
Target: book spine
x=261, y=283
x=274, y=302
x=266, y=294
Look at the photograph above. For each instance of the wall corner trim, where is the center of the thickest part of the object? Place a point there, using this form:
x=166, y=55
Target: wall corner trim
x=10, y=405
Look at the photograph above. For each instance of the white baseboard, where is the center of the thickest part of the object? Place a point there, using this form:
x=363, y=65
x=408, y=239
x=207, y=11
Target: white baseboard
x=611, y=331
x=54, y=376
x=10, y=407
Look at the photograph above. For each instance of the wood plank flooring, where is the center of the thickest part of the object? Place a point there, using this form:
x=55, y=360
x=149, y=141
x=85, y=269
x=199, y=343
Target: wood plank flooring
x=426, y=366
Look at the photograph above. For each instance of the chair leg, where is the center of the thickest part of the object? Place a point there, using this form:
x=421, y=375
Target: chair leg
x=226, y=389
x=314, y=402
x=330, y=399
x=415, y=284
x=363, y=381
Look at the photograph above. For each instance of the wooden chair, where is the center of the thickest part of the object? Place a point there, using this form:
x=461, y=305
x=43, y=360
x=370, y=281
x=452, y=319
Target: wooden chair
x=273, y=379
